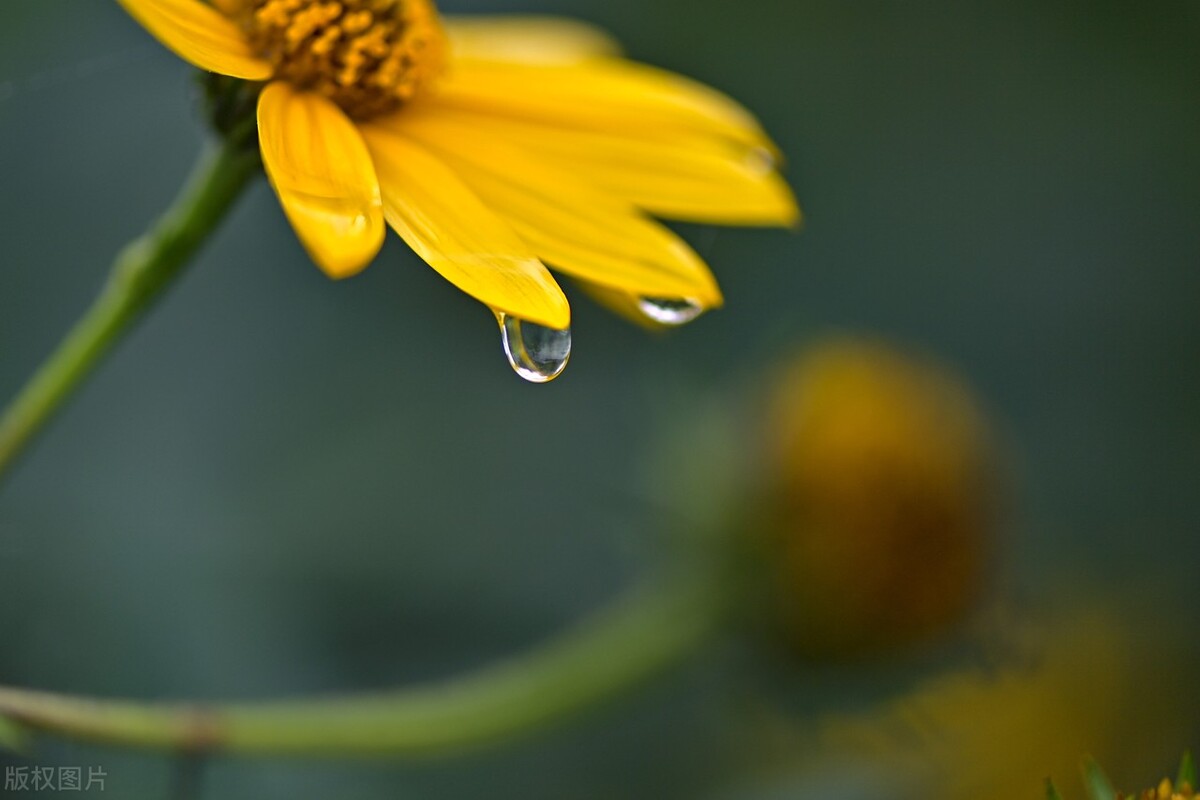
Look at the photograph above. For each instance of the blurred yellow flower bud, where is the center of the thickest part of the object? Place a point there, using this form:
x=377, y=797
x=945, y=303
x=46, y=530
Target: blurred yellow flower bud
x=878, y=496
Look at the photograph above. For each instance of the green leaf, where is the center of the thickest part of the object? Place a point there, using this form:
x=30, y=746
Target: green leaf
x=1052, y=791
x=1097, y=783
x=1187, y=772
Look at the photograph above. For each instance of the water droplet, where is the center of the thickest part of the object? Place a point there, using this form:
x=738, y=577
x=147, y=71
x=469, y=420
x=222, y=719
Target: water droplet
x=537, y=353
x=761, y=161
x=352, y=226
x=670, y=311
x=343, y=215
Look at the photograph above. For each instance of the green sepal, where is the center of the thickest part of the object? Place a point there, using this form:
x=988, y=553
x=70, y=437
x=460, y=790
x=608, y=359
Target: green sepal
x=1052, y=791
x=1187, y=772
x=1098, y=785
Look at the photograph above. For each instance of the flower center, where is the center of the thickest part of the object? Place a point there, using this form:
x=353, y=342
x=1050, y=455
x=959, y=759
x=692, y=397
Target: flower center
x=368, y=56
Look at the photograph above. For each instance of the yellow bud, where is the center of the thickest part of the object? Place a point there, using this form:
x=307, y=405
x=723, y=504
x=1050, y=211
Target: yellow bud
x=879, y=498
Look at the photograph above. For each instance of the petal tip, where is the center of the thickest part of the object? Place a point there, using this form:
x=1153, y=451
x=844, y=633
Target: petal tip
x=557, y=318
x=796, y=220
x=339, y=267
x=345, y=258
x=714, y=302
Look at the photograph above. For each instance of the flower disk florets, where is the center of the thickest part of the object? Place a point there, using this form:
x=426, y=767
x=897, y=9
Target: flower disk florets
x=368, y=56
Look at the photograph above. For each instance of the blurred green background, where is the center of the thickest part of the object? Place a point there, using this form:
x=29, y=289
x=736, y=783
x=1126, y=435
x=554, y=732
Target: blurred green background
x=283, y=486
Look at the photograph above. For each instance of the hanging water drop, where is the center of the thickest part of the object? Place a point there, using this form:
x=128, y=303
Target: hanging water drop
x=670, y=311
x=537, y=353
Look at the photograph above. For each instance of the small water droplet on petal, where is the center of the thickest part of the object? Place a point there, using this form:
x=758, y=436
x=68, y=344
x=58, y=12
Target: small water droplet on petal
x=356, y=226
x=761, y=161
x=537, y=353
x=670, y=311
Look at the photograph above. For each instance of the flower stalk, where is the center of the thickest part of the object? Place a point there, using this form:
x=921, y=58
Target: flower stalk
x=140, y=274
x=641, y=635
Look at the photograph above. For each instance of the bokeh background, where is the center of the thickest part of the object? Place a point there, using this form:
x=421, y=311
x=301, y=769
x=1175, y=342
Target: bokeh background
x=283, y=486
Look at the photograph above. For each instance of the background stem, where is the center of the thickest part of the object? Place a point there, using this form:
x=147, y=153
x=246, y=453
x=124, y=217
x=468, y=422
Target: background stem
x=649, y=630
x=139, y=275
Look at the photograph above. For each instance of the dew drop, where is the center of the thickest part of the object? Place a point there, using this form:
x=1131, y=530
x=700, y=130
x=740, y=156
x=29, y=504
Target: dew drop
x=343, y=216
x=537, y=353
x=670, y=311
x=761, y=161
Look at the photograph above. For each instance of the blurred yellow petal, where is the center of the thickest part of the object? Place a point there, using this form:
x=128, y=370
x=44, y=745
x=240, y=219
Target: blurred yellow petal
x=570, y=225
x=450, y=228
x=200, y=35
x=530, y=39
x=1074, y=683
x=693, y=178
x=321, y=170
x=608, y=95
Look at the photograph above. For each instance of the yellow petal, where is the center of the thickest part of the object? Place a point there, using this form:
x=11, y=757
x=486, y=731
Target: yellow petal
x=529, y=39
x=695, y=178
x=623, y=304
x=455, y=233
x=200, y=35
x=321, y=170
x=600, y=94
x=568, y=224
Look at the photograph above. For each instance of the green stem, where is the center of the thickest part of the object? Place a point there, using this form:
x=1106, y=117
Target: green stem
x=619, y=648
x=140, y=274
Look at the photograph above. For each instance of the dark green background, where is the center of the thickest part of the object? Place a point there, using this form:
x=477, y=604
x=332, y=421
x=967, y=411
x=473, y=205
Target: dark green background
x=280, y=485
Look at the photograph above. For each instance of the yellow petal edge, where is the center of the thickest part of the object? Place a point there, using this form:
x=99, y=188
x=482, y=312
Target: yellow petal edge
x=324, y=177
x=200, y=35
x=449, y=227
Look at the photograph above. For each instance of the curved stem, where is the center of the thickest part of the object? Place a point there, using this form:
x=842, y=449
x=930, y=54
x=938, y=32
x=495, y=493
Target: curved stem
x=139, y=275
x=619, y=648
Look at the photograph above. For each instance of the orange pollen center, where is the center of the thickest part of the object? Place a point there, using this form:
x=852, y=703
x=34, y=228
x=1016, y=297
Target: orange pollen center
x=368, y=56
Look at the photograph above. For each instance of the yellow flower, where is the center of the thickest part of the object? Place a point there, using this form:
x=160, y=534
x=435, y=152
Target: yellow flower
x=1100, y=787
x=1048, y=692
x=491, y=146
x=880, y=492
x=1166, y=790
